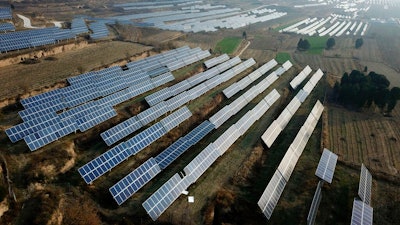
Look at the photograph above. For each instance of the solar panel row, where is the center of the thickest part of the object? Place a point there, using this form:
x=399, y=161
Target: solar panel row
x=184, y=85
x=362, y=213
x=5, y=13
x=312, y=214
x=111, y=158
x=99, y=29
x=167, y=194
x=364, y=188
x=283, y=119
x=275, y=187
x=7, y=27
x=215, y=61
x=83, y=89
x=300, y=77
x=326, y=166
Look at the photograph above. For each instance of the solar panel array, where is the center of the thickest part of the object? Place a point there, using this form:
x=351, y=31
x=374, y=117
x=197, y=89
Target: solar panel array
x=160, y=200
x=89, y=99
x=244, y=82
x=326, y=166
x=275, y=187
x=362, y=213
x=126, y=187
x=312, y=214
x=364, y=188
x=300, y=77
x=215, y=61
x=99, y=29
x=113, y=157
x=280, y=123
x=5, y=13
x=185, y=85
x=7, y=27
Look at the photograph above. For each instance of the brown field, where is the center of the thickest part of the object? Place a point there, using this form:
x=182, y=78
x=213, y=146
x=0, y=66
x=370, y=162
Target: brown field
x=367, y=138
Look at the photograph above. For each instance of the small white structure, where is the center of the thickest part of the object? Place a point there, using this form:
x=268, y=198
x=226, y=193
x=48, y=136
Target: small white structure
x=191, y=199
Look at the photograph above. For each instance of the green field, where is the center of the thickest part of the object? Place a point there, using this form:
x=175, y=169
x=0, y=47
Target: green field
x=228, y=45
x=282, y=57
x=317, y=44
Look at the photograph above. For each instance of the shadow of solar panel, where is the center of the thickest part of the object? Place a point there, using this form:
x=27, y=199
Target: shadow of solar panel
x=271, y=194
x=326, y=166
x=135, y=180
x=121, y=130
x=160, y=200
x=364, y=188
x=362, y=213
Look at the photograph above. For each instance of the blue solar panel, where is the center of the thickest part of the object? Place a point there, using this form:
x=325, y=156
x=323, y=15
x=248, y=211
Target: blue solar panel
x=199, y=132
x=173, y=120
x=95, y=118
x=121, y=130
x=19, y=131
x=5, y=13
x=157, y=71
x=162, y=79
x=80, y=111
x=171, y=153
x=178, y=101
x=158, y=96
x=104, y=163
x=99, y=29
x=152, y=113
x=145, y=138
x=7, y=27
x=42, y=98
x=40, y=110
x=131, y=183
x=50, y=134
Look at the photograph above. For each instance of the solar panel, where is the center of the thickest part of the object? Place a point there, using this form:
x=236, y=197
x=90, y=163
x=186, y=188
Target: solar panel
x=300, y=77
x=19, y=131
x=221, y=116
x=251, y=93
x=288, y=163
x=362, y=213
x=284, y=118
x=317, y=110
x=226, y=140
x=104, y=162
x=178, y=101
x=197, y=91
x=50, y=134
x=301, y=95
x=316, y=77
x=238, y=105
x=215, y=61
x=145, y=138
x=166, y=157
x=179, y=87
x=260, y=109
x=244, y=123
x=176, y=118
x=41, y=98
x=293, y=106
x=213, y=82
x=300, y=141
x=271, y=194
x=244, y=82
x=272, y=97
x=271, y=134
x=231, y=90
x=135, y=180
x=312, y=214
x=158, y=96
x=308, y=87
x=42, y=109
x=95, y=118
x=152, y=113
x=287, y=65
x=198, y=133
x=326, y=166
x=364, y=188
x=201, y=162
x=162, y=79
x=160, y=200
x=121, y=130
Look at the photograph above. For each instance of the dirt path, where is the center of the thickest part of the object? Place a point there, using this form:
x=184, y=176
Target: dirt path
x=244, y=48
x=27, y=22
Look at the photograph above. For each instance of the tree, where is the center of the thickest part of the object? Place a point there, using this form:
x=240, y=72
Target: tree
x=244, y=35
x=359, y=42
x=365, y=69
x=330, y=43
x=393, y=97
x=303, y=45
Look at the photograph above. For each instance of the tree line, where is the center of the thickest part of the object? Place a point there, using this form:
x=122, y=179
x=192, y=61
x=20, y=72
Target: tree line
x=363, y=91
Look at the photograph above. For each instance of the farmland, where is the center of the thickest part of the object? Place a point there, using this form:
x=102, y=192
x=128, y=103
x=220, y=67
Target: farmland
x=228, y=45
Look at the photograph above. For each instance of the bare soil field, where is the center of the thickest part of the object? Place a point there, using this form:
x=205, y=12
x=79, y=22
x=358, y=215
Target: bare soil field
x=367, y=138
x=20, y=79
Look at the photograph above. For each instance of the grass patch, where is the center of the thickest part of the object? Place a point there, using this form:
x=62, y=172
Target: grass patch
x=282, y=57
x=228, y=45
x=317, y=44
